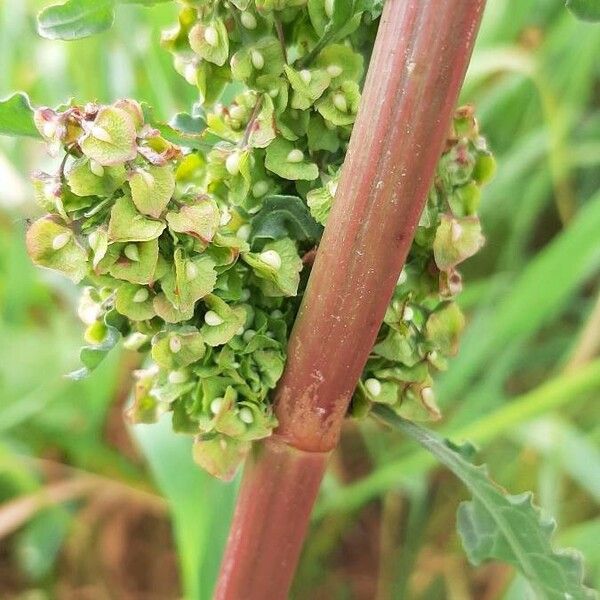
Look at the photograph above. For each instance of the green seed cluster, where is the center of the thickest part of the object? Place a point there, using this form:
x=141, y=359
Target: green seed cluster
x=423, y=323
x=193, y=239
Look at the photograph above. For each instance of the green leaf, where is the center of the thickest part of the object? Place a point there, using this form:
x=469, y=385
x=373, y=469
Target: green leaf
x=278, y=267
x=178, y=349
x=498, y=526
x=134, y=302
x=285, y=216
x=217, y=333
x=586, y=10
x=184, y=129
x=190, y=279
x=127, y=225
x=53, y=245
x=152, y=189
x=289, y=162
x=83, y=182
x=16, y=117
x=456, y=239
x=139, y=271
x=200, y=220
x=112, y=139
x=200, y=534
x=76, y=19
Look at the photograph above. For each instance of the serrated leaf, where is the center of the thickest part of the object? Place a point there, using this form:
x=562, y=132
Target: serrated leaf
x=76, y=19
x=498, y=526
x=285, y=216
x=586, y=10
x=16, y=117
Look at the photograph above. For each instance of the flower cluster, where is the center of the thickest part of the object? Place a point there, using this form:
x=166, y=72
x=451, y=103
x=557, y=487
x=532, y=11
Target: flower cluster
x=191, y=237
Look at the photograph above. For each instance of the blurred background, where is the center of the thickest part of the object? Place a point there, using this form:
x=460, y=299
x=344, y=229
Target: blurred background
x=90, y=509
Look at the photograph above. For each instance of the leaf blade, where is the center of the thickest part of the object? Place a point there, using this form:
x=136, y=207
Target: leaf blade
x=495, y=525
x=76, y=19
x=16, y=117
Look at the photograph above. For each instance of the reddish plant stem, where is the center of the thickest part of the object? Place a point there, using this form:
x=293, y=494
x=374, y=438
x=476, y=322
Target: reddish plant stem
x=418, y=65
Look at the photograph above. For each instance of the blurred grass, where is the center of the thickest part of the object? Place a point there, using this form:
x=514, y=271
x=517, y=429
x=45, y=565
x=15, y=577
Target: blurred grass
x=535, y=80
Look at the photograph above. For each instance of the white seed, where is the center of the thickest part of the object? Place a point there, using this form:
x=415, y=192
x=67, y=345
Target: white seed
x=232, y=164
x=306, y=76
x=191, y=270
x=175, y=344
x=248, y=20
x=190, y=73
x=402, y=277
x=141, y=295
x=49, y=129
x=245, y=295
x=132, y=252
x=340, y=102
x=225, y=217
x=332, y=187
x=212, y=319
x=216, y=405
x=408, y=313
x=135, y=341
x=455, y=231
x=258, y=60
x=276, y=314
x=147, y=177
x=61, y=240
x=334, y=70
x=244, y=232
x=211, y=36
x=249, y=334
x=176, y=377
x=373, y=387
x=295, y=156
x=246, y=415
x=329, y=6
x=96, y=168
x=260, y=188
x=271, y=258
x=428, y=395
x=101, y=134
x=237, y=112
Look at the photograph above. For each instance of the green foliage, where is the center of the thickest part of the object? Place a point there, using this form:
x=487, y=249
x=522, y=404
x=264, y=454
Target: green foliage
x=16, y=116
x=587, y=10
x=201, y=225
x=75, y=19
x=498, y=526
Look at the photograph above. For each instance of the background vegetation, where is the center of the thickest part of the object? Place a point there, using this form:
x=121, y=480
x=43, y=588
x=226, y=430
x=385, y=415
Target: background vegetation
x=89, y=509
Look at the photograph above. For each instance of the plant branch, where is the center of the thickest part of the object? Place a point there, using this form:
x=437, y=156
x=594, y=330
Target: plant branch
x=418, y=65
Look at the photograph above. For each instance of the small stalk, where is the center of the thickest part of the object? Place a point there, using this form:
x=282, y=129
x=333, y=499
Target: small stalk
x=417, y=68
